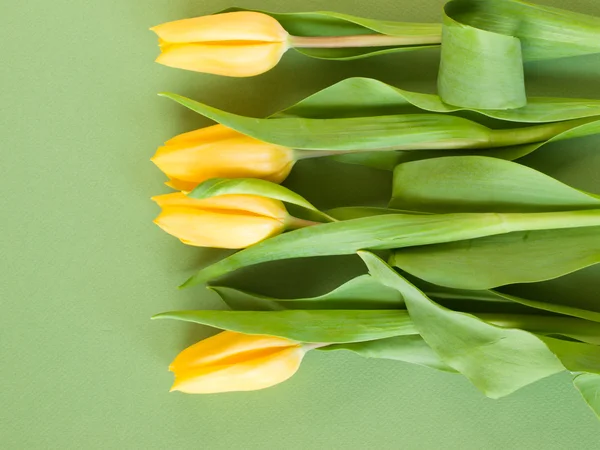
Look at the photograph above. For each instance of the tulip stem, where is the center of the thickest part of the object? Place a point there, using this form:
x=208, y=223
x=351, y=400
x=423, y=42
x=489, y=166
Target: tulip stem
x=364, y=40
x=294, y=223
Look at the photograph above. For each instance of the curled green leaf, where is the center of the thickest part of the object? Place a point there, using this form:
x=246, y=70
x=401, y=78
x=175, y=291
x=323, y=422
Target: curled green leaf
x=486, y=41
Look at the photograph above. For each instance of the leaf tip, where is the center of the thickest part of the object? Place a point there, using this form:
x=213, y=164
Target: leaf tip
x=168, y=95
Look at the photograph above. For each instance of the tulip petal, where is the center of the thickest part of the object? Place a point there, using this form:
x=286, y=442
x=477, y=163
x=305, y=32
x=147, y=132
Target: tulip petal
x=222, y=59
x=181, y=185
x=254, y=374
x=219, y=152
x=233, y=204
x=225, y=345
x=206, y=134
x=218, y=230
x=233, y=26
x=281, y=175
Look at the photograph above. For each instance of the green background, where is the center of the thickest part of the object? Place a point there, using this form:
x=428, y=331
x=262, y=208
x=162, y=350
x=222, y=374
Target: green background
x=83, y=268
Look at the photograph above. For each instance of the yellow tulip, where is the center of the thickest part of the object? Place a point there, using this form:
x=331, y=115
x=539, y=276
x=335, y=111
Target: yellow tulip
x=220, y=152
x=232, y=361
x=236, y=44
x=225, y=221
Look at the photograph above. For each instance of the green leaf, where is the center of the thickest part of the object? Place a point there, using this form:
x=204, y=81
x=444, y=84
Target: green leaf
x=581, y=330
x=322, y=326
x=327, y=23
x=481, y=301
x=446, y=133
x=518, y=151
x=350, y=134
x=362, y=292
x=360, y=97
x=223, y=186
x=411, y=349
x=558, y=308
x=486, y=41
x=488, y=262
x=400, y=230
x=497, y=361
x=509, y=152
x=482, y=184
x=588, y=385
x=575, y=356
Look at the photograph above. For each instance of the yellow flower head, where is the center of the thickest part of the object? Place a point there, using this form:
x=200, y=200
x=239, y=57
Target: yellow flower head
x=235, y=44
x=220, y=152
x=226, y=221
x=233, y=361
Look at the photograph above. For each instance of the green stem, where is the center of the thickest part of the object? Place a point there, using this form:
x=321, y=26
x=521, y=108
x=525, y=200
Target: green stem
x=549, y=220
x=364, y=40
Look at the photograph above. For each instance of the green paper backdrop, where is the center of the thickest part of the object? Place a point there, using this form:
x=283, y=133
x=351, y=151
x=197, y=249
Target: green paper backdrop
x=83, y=268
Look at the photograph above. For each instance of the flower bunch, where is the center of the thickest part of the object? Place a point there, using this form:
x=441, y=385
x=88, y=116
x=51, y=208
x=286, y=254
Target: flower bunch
x=463, y=221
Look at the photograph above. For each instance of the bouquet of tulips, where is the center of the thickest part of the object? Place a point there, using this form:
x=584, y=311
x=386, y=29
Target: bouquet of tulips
x=463, y=220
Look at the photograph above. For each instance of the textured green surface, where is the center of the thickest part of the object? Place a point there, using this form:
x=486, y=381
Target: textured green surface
x=83, y=268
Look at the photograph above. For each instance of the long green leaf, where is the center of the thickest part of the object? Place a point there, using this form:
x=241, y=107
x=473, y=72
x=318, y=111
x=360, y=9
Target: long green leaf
x=581, y=330
x=497, y=361
x=486, y=41
x=362, y=292
x=575, y=356
x=411, y=349
x=423, y=132
x=520, y=257
x=482, y=184
x=323, y=326
x=328, y=23
x=389, y=160
x=361, y=97
x=588, y=385
x=558, y=308
x=482, y=301
x=254, y=186
x=393, y=231
x=351, y=134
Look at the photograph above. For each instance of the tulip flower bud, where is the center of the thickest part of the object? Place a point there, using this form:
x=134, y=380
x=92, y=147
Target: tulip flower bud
x=220, y=152
x=226, y=221
x=232, y=361
x=235, y=44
